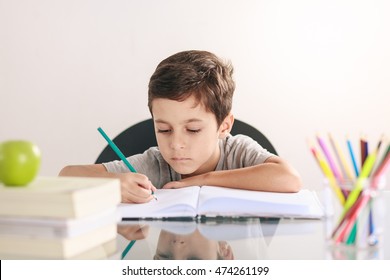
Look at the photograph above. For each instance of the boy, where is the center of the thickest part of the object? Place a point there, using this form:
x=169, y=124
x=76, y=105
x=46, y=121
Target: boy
x=193, y=246
x=190, y=99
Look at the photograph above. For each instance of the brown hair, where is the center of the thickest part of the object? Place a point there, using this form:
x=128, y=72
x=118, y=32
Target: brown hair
x=198, y=73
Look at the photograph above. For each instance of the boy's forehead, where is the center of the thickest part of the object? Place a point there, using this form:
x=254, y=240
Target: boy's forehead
x=166, y=110
x=189, y=103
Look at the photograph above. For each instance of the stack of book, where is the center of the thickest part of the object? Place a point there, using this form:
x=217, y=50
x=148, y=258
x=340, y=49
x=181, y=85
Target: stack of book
x=60, y=218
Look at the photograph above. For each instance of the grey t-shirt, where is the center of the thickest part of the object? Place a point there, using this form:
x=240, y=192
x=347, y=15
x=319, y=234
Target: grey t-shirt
x=236, y=152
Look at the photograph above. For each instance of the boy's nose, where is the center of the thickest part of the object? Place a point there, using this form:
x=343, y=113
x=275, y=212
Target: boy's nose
x=177, y=142
x=178, y=241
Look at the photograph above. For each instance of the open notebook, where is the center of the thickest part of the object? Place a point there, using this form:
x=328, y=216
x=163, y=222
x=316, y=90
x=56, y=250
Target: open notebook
x=208, y=201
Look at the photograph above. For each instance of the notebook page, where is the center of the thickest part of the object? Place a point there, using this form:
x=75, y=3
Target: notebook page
x=169, y=203
x=217, y=201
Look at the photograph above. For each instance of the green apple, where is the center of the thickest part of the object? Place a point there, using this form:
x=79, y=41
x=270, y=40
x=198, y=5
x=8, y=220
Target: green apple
x=19, y=162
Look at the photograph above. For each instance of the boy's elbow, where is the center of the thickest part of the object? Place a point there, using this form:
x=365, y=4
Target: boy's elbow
x=295, y=183
x=66, y=171
x=289, y=177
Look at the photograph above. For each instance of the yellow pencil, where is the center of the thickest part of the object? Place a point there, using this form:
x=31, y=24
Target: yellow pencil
x=342, y=159
x=367, y=167
x=328, y=174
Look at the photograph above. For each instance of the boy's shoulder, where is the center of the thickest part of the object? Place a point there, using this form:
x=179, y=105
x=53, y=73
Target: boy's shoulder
x=238, y=144
x=242, y=144
x=238, y=140
x=240, y=151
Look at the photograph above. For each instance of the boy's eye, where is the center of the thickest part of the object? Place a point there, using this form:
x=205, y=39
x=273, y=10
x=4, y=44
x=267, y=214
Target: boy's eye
x=194, y=130
x=163, y=130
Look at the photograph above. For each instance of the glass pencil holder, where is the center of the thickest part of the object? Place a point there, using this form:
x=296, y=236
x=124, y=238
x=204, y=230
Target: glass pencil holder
x=355, y=216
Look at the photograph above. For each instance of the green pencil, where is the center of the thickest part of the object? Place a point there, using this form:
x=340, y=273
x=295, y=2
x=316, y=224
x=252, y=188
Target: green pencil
x=119, y=153
x=116, y=150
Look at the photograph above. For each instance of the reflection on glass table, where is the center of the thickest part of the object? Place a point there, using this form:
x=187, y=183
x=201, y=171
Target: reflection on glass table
x=250, y=238
x=253, y=238
x=225, y=239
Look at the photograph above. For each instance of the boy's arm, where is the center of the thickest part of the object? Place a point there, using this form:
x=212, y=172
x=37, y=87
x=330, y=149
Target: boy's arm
x=135, y=187
x=274, y=175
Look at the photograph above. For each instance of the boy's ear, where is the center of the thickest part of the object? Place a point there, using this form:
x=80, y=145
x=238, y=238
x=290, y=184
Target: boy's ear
x=226, y=126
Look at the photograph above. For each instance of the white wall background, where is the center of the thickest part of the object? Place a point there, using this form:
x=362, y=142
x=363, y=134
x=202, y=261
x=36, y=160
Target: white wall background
x=301, y=67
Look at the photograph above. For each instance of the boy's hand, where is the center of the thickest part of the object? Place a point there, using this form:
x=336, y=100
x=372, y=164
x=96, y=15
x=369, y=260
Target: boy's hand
x=187, y=182
x=133, y=232
x=136, y=188
x=175, y=185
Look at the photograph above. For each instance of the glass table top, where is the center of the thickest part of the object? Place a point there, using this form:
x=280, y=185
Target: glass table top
x=250, y=238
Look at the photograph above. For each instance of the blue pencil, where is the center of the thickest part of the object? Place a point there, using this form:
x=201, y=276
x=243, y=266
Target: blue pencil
x=353, y=158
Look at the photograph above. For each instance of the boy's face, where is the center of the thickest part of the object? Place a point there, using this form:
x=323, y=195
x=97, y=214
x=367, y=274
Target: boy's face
x=187, y=135
x=186, y=247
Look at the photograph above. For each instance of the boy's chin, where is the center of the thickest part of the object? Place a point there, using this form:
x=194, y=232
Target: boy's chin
x=184, y=171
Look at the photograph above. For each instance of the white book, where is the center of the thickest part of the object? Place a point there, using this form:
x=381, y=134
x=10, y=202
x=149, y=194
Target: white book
x=210, y=201
x=39, y=247
x=60, y=197
x=105, y=251
x=59, y=228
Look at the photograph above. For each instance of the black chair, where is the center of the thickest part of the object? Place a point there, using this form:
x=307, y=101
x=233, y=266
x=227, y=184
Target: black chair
x=140, y=137
x=240, y=127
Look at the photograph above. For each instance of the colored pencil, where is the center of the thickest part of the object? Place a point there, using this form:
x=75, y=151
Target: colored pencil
x=328, y=174
x=354, y=194
x=351, y=221
x=330, y=160
x=127, y=249
x=116, y=150
x=363, y=150
x=119, y=153
x=341, y=157
x=352, y=154
x=347, y=216
x=383, y=164
x=363, y=156
x=356, y=223
x=381, y=147
x=382, y=169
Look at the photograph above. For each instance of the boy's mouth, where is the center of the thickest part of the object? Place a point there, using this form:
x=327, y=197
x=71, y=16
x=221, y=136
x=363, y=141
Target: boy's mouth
x=179, y=159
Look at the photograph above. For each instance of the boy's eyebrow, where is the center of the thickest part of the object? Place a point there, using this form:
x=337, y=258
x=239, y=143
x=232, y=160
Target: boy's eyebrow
x=186, y=121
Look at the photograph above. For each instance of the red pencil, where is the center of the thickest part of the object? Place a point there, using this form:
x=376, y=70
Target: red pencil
x=382, y=168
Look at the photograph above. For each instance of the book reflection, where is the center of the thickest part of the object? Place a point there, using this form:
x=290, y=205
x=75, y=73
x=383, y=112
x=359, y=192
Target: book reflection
x=211, y=240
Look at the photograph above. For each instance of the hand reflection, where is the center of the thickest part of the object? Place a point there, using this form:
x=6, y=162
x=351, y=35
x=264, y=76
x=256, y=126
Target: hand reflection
x=192, y=246
x=133, y=232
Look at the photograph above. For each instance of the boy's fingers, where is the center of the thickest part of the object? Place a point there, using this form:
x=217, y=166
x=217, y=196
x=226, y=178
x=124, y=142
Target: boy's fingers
x=136, y=188
x=174, y=185
x=144, y=182
x=132, y=198
x=142, y=192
